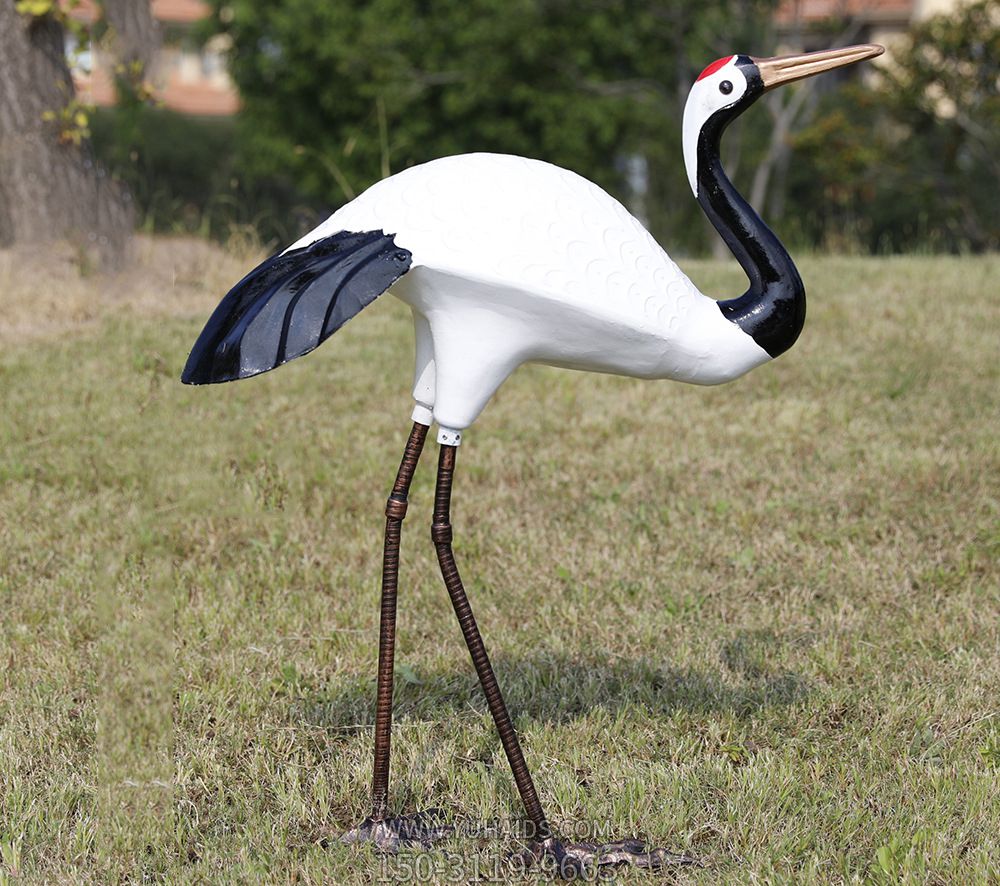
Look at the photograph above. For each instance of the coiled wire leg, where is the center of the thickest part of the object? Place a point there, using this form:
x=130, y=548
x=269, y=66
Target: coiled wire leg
x=390, y=832
x=567, y=860
x=395, y=512
x=441, y=534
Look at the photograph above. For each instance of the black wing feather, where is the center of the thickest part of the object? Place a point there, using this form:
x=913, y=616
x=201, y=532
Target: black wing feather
x=292, y=303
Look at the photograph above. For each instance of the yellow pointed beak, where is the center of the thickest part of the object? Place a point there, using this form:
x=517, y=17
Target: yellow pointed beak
x=786, y=68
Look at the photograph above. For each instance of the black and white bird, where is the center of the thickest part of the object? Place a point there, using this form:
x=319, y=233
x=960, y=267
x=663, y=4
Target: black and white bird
x=506, y=260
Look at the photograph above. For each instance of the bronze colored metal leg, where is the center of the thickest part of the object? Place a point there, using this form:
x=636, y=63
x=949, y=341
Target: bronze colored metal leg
x=389, y=833
x=567, y=860
x=395, y=511
x=441, y=534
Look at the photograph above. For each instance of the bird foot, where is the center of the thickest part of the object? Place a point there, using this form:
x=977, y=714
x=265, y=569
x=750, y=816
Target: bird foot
x=390, y=835
x=571, y=861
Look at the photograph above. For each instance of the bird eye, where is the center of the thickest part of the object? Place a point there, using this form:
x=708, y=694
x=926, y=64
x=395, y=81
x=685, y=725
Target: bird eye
x=725, y=87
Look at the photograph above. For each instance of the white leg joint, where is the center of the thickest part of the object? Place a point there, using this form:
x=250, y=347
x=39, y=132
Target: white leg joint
x=449, y=436
x=422, y=415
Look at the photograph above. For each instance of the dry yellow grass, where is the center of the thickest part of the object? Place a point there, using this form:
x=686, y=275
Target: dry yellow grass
x=758, y=623
x=46, y=293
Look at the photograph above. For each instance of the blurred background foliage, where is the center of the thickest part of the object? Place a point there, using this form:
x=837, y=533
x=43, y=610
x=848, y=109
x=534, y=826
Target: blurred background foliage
x=338, y=95
x=912, y=162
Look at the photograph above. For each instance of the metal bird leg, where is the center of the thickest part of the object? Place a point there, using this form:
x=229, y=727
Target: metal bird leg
x=441, y=534
x=568, y=860
x=395, y=512
x=390, y=833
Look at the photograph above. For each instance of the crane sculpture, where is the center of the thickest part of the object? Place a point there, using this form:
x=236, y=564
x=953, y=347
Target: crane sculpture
x=505, y=260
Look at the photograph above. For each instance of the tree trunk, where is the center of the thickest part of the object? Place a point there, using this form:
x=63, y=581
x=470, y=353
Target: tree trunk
x=134, y=36
x=50, y=189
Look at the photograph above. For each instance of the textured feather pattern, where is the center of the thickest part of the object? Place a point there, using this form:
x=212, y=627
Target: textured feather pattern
x=531, y=225
x=531, y=262
x=292, y=303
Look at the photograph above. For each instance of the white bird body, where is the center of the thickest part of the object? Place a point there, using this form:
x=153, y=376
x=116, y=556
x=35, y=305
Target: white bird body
x=517, y=260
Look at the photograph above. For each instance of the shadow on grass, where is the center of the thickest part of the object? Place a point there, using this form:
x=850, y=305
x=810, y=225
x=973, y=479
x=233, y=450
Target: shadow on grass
x=560, y=689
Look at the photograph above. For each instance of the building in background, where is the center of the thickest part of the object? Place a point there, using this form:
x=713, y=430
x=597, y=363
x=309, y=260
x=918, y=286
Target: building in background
x=813, y=24
x=189, y=77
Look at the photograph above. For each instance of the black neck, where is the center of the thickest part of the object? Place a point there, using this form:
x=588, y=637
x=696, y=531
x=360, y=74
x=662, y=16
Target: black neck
x=773, y=309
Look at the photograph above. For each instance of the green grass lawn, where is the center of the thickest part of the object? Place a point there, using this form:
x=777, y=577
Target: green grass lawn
x=755, y=623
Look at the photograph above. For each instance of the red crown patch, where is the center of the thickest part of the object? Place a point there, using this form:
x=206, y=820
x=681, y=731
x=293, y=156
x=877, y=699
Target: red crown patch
x=712, y=68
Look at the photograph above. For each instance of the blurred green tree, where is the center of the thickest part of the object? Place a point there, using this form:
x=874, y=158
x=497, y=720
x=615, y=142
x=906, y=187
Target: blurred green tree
x=338, y=95
x=913, y=162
